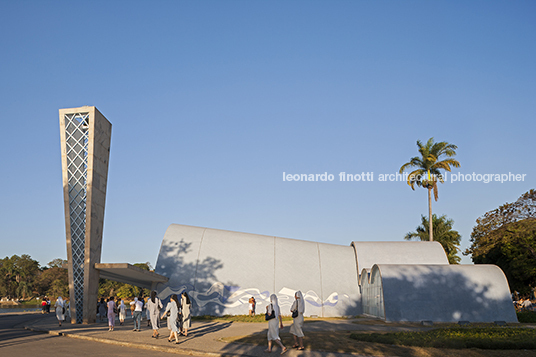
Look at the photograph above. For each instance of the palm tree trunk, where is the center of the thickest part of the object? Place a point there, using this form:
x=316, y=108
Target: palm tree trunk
x=431, y=227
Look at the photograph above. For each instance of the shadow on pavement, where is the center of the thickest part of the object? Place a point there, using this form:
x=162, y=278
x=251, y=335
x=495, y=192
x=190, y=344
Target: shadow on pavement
x=12, y=332
x=206, y=329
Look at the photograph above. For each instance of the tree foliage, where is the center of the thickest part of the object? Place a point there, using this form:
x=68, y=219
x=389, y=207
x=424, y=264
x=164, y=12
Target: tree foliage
x=427, y=168
x=22, y=277
x=57, y=263
x=123, y=290
x=53, y=282
x=506, y=236
x=443, y=233
x=17, y=276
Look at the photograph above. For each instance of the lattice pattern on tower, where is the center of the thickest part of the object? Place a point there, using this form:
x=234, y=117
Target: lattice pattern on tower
x=76, y=133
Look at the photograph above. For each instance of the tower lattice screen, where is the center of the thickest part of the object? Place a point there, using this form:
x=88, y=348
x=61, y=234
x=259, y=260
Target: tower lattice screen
x=77, y=130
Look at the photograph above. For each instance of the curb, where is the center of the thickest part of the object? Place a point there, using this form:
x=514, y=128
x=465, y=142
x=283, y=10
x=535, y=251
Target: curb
x=8, y=314
x=136, y=345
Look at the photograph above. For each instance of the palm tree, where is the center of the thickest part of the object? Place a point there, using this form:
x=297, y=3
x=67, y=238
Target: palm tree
x=428, y=167
x=443, y=233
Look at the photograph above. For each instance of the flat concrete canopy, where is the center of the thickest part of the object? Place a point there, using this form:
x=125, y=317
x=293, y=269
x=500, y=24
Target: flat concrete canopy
x=129, y=274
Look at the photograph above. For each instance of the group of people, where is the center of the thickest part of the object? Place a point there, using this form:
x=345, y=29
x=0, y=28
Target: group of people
x=179, y=317
x=177, y=313
x=45, y=305
x=110, y=309
x=523, y=305
x=275, y=322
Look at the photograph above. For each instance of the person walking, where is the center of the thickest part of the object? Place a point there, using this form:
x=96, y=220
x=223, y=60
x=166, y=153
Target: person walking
x=173, y=309
x=48, y=306
x=252, y=304
x=102, y=309
x=60, y=313
x=138, y=308
x=147, y=313
x=122, y=312
x=132, y=308
x=112, y=310
x=186, y=316
x=168, y=320
x=296, y=329
x=67, y=305
x=154, y=305
x=44, y=305
x=526, y=305
x=274, y=324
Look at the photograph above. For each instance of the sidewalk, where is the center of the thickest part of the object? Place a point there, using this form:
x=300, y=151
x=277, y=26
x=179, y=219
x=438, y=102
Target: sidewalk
x=204, y=337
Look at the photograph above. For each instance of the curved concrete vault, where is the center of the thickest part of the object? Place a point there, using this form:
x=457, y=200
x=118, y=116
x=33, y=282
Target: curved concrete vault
x=221, y=270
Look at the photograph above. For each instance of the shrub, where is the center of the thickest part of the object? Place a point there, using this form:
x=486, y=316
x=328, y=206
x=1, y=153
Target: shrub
x=526, y=316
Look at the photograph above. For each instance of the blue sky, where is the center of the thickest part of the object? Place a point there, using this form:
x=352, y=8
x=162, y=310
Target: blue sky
x=211, y=101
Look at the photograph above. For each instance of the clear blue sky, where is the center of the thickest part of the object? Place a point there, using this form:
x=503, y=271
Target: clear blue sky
x=211, y=101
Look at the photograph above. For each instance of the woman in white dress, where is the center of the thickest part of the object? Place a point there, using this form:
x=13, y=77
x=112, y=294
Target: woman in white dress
x=186, y=317
x=67, y=305
x=122, y=312
x=173, y=309
x=274, y=324
x=112, y=308
x=154, y=305
x=148, y=313
x=297, y=322
x=59, y=309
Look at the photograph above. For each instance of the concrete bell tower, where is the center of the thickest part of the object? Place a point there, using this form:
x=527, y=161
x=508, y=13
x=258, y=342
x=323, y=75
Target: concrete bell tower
x=85, y=151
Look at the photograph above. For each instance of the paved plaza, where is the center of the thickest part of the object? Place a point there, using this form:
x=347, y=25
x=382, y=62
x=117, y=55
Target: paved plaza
x=204, y=338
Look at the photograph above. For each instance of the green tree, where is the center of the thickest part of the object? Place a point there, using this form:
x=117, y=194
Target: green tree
x=53, y=281
x=59, y=287
x=17, y=276
x=123, y=290
x=57, y=263
x=506, y=236
x=490, y=228
x=108, y=287
x=443, y=233
x=144, y=266
x=428, y=169
x=128, y=291
x=27, y=270
x=7, y=275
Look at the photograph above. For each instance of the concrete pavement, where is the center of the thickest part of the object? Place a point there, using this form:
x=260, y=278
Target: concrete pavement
x=16, y=341
x=204, y=337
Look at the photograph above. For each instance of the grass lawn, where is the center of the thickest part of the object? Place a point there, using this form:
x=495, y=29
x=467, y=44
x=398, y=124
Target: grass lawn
x=508, y=341
x=493, y=338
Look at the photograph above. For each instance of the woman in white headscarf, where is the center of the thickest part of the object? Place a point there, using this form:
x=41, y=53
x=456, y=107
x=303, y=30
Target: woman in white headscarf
x=298, y=306
x=67, y=306
x=112, y=310
x=186, y=317
x=122, y=312
x=274, y=324
x=173, y=308
x=59, y=309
